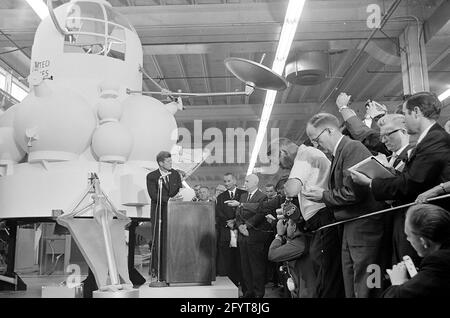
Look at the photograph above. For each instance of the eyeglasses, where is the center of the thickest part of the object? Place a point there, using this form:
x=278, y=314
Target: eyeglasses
x=316, y=140
x=389, y=134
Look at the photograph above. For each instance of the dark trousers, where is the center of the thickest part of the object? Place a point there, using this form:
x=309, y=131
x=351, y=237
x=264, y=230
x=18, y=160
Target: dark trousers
x=272, y=274
x=400, y=245
x=253, y=262
x=360, y=280
x=324, y=253
x=229, y=263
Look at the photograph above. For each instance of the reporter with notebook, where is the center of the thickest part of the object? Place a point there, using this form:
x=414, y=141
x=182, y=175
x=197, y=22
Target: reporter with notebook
x=394, y=135
x=427, y=165
x=363, y=241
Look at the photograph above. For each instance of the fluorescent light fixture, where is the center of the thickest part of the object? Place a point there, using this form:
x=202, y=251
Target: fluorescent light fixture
x=444, y=95
x=39, y=7
x=293, y=13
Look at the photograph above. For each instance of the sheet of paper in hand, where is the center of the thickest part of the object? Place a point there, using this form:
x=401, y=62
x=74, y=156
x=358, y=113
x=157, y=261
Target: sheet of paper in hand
x=372, y=168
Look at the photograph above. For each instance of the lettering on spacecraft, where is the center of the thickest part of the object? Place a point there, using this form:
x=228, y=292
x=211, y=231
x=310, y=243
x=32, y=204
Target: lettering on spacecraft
x=42, y=67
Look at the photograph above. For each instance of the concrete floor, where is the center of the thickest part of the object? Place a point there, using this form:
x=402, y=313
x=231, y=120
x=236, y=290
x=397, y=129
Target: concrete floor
x=35, y=282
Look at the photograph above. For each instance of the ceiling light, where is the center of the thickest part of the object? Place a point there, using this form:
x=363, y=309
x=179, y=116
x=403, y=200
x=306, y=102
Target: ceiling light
x=39, y=7
x=293, y=13
x=444, y=95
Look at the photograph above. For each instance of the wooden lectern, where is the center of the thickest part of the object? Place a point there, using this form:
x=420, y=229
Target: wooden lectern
x=189, y=251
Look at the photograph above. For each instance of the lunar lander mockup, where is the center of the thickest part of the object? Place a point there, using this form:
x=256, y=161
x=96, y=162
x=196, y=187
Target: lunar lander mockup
x=84, y=117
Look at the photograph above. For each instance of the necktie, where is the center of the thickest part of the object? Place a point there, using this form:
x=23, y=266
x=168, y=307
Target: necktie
x=393, y=158
x=249, y=197
x=231, y=195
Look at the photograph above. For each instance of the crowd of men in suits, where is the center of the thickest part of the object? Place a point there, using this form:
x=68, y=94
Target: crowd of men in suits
x=255, y=232
x=321, y=189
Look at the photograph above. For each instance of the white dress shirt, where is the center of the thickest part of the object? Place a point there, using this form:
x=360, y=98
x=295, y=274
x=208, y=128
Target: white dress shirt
x=337, y=145
x=312, y=168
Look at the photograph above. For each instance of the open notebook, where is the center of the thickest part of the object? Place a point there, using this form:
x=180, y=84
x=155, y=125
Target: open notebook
x=372, y=168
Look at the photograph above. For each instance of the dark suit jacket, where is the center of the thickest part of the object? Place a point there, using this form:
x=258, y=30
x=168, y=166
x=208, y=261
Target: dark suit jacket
x=250, y=215
x=225, y=213
x=428, y=165
x=432, y=279
x=347, y=199
x=370, y=137
x=168, y=190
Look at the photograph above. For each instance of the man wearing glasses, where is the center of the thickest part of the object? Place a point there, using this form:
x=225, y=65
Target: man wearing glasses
x=428, y=165
x=363, y=241
x=394, y=135
x=396, y=138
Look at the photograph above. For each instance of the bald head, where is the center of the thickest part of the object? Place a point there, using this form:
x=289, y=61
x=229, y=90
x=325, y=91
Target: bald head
x=292, y=187
x=251, y=182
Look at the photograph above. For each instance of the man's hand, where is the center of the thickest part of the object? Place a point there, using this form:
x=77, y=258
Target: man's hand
x=423, y=197
x=243, y=229
x=359, y=178
x=270, y=218
x=342, y=100
x=313, y=193
x=232, y=203
x=281, y=227
x=177, y=197
x=231, y=223
x=398, y=274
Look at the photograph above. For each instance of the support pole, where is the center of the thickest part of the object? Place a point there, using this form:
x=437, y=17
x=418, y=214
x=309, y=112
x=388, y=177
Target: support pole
x=413, y=60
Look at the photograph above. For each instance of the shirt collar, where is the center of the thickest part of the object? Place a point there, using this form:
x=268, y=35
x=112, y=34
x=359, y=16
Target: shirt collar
x=424, y=133
x=233, y=191
x=337, y=145
x=252, y=193
x=398, y=152
x=163, y=173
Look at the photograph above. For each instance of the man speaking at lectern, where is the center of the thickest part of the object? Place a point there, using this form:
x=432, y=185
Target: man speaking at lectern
x=171, y=184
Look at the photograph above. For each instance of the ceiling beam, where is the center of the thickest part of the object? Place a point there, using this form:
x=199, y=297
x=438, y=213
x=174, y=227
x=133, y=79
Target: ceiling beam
x=438, y=59
x=252, y=112
x=343, y=64
x=159, y=73
x=436, y=21
x=183, y=74
x=205, y=72
x=326, y=20
x=227, y=82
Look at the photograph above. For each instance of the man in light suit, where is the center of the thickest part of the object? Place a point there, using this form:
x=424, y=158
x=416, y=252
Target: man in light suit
x=171, y=185
x=228, y=260
x=363, y=241
x=253, y=233
x=428, y=164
